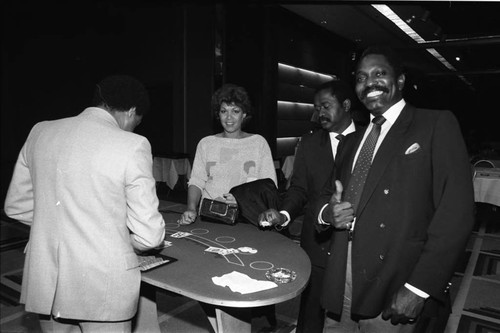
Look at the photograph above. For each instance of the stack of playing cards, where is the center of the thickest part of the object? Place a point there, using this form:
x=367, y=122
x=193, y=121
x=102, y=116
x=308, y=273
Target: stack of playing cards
x=180, y=234
x=224, y=252
x=147, y=262
x=221, y=251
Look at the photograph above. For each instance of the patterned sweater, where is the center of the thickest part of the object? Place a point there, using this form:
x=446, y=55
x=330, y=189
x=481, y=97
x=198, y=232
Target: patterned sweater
x=222, y=163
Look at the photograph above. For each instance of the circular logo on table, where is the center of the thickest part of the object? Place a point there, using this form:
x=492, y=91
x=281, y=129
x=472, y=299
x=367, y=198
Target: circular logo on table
x=261, y=265
x=199, y=231
x=225, y=239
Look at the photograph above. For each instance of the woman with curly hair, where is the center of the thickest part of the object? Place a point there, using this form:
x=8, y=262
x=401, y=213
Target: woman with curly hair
x=229, y=158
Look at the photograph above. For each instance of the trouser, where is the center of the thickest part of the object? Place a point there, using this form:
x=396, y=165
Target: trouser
x=49, y=324
x=346, y=325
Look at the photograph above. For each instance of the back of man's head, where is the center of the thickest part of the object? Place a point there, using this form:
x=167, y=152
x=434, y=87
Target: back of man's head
x=120, y=93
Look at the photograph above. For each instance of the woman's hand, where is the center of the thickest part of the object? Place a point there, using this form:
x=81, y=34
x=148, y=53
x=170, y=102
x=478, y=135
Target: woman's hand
x=188, y=217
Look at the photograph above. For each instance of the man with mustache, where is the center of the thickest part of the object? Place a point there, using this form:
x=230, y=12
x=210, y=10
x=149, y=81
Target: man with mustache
x=401, y=211
x=312, y=169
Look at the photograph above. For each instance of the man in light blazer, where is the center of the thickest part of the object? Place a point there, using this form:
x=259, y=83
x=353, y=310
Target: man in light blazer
x=313, y=166
x=84, y=184
x=393, y=253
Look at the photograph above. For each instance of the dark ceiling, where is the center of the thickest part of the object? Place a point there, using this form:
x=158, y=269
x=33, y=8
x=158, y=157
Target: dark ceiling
x=467, y=30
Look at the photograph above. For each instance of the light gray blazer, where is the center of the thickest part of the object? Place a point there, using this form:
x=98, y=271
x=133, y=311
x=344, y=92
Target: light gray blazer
x=86, y=188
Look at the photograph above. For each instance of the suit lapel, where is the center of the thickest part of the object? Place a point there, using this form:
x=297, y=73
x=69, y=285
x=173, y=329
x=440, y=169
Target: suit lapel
x=326, y=146
x=385, y=153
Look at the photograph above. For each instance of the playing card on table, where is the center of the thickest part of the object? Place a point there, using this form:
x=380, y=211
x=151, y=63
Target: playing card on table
x=180, y=234
x=224, y=252
x=213, y=249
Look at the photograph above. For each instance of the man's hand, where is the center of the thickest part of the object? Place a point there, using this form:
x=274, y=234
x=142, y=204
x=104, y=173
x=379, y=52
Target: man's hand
x=270, y=218
x=404, y=308
x=188, y=217
x=339, y=214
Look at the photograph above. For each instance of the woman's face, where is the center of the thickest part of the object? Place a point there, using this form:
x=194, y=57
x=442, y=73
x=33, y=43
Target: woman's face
x=231, y=117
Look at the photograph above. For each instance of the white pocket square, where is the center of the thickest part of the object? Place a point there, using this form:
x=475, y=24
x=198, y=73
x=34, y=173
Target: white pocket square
x=413, y=148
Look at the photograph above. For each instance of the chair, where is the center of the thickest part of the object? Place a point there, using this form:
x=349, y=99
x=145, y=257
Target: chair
x=484, y=164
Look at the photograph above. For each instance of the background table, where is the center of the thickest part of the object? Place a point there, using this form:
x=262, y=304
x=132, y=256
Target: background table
x=288, y=169
x=168, y=169
x=288, y=166
x=487, y=185
x=191, y=275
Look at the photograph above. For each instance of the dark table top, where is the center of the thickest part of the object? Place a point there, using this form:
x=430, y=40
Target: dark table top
x=191, y=275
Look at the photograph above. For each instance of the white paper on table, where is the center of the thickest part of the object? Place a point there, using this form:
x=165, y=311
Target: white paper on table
x=242, y=283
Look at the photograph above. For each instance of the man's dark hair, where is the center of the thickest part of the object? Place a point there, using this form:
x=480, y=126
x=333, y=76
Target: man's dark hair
x=338, y=88
x=120, y=93
x=231, y=93
x=392, y=57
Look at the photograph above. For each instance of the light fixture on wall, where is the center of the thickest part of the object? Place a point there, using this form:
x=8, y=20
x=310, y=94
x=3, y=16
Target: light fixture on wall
x=305, y=72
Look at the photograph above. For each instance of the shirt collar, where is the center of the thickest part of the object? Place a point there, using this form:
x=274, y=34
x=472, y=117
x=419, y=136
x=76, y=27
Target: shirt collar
x=102, y=114
x=351, y=128
x=393, y=112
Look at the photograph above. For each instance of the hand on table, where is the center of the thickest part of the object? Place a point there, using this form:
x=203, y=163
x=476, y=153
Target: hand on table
x=270, y=218
x=188, y=217
x=404, y=308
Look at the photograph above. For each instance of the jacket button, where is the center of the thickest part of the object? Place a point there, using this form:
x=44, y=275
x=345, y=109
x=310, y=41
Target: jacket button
x=381, y=257
x=328, y=253
x=382, y=225
x=386, y=191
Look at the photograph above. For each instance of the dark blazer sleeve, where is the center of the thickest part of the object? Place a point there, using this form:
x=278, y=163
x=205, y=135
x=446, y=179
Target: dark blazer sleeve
x=453, y=197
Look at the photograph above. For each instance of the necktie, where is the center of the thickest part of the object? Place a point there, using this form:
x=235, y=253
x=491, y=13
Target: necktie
x=363, y=163
x=339, y=137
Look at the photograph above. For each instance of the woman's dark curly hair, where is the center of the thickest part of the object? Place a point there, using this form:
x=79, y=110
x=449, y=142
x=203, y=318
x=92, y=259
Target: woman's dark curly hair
x=231, y=93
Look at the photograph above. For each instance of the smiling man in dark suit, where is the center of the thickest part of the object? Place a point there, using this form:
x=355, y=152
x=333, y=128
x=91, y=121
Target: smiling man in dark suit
x=312, y=169
x=401, y=213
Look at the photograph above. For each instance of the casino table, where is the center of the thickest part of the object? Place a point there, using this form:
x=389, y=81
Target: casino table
x=191, y=275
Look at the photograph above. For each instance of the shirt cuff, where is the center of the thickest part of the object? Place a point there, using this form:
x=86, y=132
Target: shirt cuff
x=417, y=291
x=320, y=218
x=284, y=212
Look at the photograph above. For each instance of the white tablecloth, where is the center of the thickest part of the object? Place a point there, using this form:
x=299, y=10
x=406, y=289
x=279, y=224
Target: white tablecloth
x=168, y=169
x=487, y=185
x=288, y=166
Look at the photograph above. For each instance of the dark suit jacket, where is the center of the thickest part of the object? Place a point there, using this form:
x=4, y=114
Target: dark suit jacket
x=313, y=167
x=255, y=197
x=414, y=216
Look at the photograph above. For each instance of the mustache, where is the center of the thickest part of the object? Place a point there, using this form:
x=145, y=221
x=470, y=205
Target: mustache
x=367, y=90
x=323, y=118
